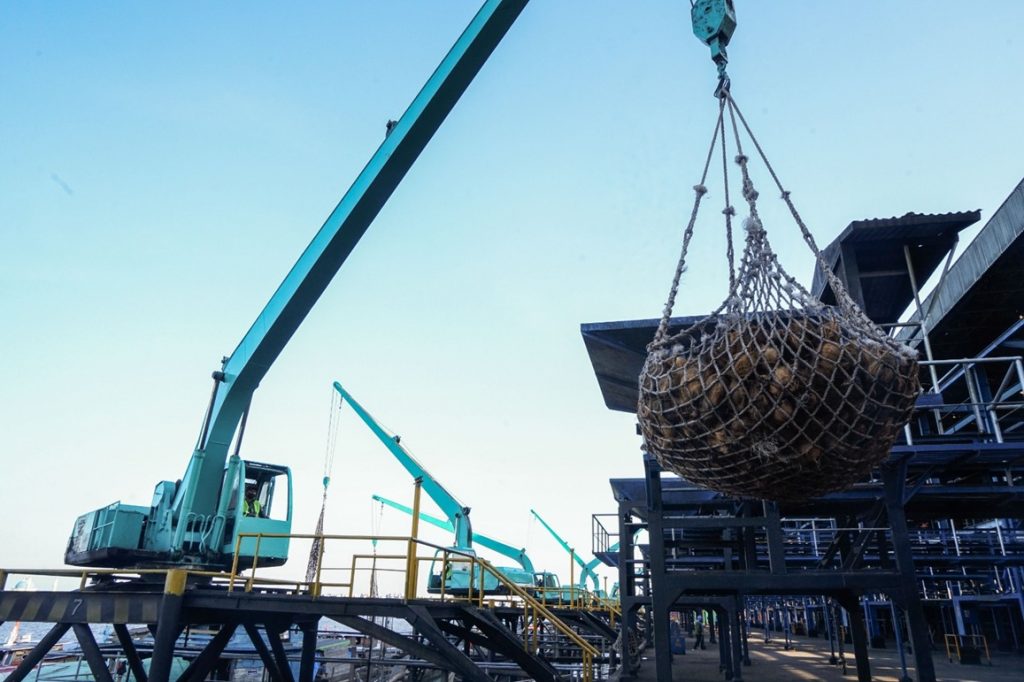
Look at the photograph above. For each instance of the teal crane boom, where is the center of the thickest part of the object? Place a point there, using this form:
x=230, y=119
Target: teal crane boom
x=196, y=520
x=586, y=570
x=456, y=512
x=517, y=555
x=190, y=522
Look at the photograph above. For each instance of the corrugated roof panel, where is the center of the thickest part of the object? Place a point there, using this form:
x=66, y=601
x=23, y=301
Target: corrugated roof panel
x=984, y=290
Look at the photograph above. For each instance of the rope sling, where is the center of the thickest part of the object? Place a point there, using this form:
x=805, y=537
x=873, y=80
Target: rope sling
x=333, y=426
x=774, y=395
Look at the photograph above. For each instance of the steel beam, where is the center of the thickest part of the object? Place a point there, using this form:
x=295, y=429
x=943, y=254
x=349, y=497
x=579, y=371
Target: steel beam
x=92, y=653
x=859, y=635
x=264, y=653
x=773, y=528
x=464, y=633
x=130, y=652
x=397, y=640
x=661, y=599
x=894, y=477
x=502, y=641
x=201, y=666
x=274, y=637
x=736, y=625
x=344, y=227
x=35, y=656
x=168, y=628
x=308, y=659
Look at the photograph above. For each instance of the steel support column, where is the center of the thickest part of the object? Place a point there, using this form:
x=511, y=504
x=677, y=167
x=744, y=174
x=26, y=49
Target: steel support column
x=199, y=668
x=741, y=617
x=395, y=639
x=724, y=645
x=736, y=618
x=130, y=652
x=457, y=661
x=274, y=637
x=735, y=642
x=859, y=635
x=167, y=629
x=627, y=593
x=308, y=660
x=894, y=477
x=660, y=601
x=261, y=648
x=93, y=655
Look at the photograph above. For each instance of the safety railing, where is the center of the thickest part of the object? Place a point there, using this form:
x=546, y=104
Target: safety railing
x=963, y=647
x=485, y=586
x=601, y=537
x=462, y=577
x=970, y=398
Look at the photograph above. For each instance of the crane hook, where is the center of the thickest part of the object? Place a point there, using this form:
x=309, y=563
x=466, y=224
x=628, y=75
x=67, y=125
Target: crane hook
x=714, y=22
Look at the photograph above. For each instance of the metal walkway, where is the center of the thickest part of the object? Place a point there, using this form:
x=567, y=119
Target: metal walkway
x=503, y=634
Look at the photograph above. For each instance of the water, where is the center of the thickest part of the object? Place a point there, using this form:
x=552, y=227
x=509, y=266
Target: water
x=33, y=632
x=104, y=632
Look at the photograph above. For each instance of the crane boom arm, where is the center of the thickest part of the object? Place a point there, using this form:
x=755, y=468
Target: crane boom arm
x=587, y=569
x=455, y=511
x=432, y=520
x=305, y=282
x=517, y=555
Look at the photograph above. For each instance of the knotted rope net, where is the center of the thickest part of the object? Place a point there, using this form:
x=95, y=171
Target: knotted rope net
x=774, y=395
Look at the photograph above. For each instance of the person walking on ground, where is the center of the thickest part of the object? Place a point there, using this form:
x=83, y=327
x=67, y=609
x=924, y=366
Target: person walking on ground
x=698, y=632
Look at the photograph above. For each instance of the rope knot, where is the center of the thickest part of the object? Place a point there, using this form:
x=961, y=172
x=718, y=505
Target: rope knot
x=753, y=226
x=729, y=210
x=700, y=189
x=741, y=159
x=785, y=194
x=750, y=194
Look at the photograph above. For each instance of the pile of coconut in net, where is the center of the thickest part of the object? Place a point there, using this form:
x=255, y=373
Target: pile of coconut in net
x=774, y=395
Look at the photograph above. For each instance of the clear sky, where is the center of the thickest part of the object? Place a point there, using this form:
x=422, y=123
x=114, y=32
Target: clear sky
x=161, y=166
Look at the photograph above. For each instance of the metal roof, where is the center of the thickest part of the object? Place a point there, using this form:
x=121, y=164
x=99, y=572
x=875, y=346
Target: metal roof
x=983, y=294
x=868, y=252
x=869, y=258
x=617, y=352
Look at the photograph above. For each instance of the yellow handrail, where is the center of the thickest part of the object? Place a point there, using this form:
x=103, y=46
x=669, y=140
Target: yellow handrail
x=957, y=645
x=534, y=611
x=476, y=592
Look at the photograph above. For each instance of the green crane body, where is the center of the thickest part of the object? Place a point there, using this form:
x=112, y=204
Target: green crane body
x=525, y=576
x=196, y=521
x=586, y=569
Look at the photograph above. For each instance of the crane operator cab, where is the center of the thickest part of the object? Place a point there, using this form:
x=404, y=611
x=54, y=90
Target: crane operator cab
x=458, y=574
x=260, y=503
x=252, y=512
x=547, y=584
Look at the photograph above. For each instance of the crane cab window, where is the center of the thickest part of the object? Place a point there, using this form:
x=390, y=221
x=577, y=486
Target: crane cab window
x=265, y=492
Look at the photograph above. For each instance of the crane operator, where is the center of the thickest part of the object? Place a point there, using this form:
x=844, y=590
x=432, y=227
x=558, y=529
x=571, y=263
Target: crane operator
x=252, y=506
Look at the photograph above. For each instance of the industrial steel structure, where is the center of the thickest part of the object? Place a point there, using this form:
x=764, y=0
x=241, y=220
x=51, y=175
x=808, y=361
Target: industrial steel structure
x=928, y=550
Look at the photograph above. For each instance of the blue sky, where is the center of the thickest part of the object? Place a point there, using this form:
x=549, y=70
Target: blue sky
x=161, y=166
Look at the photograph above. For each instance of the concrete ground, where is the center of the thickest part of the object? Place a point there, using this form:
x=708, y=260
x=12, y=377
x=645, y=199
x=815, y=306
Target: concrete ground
x=809, y=660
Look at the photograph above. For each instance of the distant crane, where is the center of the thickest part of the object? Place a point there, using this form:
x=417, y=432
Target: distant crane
x=457, y=514
x=586, y=569
x=527, y=576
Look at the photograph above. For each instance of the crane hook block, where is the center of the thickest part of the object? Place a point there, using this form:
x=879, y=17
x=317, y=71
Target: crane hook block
x=713, y=23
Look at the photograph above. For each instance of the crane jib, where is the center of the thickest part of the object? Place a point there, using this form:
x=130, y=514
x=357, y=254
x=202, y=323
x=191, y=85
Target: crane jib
x=189, y=520
x=333, y=243
x=457, y=513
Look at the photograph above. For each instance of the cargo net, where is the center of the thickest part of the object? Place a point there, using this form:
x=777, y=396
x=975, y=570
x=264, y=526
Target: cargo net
x=774, y=395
